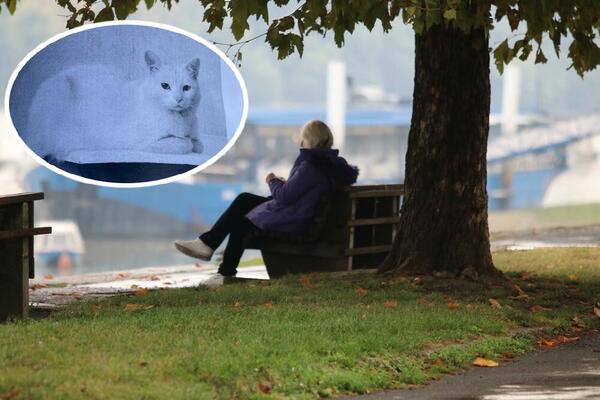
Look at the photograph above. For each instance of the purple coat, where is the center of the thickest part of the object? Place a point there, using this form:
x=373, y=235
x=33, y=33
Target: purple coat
x=293, y=206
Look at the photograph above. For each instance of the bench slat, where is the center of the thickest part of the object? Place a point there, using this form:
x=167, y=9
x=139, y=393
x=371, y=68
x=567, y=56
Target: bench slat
x=362, y=188
x=368, y=250
x=23, y=233
x=20, y=198
x=374, y=221
x=377, y=193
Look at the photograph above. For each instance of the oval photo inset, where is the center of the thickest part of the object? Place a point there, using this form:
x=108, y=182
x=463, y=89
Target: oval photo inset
x=126, y=104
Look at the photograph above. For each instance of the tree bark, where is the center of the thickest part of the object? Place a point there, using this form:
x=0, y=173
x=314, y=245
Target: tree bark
x=444, y=220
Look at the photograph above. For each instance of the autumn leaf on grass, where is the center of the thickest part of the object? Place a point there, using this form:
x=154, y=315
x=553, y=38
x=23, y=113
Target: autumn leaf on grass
x=269, y=305
x=523, y=297
x=136, y=307
x=494, y=303
x=578, y=323
x=567, y=339
x=38, y=286
x=390, y=303
x=237, y=304
x=573, y=278
x=140, y=291
x=453, y=305
x=11, y=394
x=263, y=387
x=96, y=307
x=484, y=362
x=133, y=307
x=576, y=328
x=537, y=308
x=574, y=288
x=545, y=343
x=437, y=361
x=526, y=276
x=306, y=282
x=361, y=291
x=520, y=292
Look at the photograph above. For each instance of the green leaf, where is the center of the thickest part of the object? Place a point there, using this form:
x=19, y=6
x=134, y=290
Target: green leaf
x=106, y=14
x=540, y=58
x=501, y=54
x=418, y=25
x=239, y=27
x=12, y=6
x=464, y=20
x=149, y=4
x=432, y=18
x=395, y=8
x=238, y=11
x=273, y=36
x=259, y=8
x=215, y=16
x=450, y=14
x=298, y=42
x=286, y=23
x=123, y=8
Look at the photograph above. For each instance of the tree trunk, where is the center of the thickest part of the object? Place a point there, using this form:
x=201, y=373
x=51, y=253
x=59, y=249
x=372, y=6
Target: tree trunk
x=444, y=221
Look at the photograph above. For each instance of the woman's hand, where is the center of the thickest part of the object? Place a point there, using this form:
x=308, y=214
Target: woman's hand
x=269, y=177
x=273, y=176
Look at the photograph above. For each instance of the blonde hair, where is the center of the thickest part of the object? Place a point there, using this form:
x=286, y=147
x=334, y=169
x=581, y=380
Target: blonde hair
x=317, y=134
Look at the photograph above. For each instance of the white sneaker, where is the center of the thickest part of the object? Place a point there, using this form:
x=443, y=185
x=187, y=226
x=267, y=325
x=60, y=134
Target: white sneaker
x=216, y=278
x=194, y=248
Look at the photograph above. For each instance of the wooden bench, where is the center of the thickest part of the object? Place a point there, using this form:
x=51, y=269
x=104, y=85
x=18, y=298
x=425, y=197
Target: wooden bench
x=16, y=252
x=353, y=228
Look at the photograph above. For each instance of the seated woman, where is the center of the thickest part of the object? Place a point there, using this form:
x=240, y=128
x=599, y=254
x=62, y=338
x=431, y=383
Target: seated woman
x=290, y=208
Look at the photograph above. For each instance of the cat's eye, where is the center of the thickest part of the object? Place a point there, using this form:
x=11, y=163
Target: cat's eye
x=186, y=88
x=165, y=86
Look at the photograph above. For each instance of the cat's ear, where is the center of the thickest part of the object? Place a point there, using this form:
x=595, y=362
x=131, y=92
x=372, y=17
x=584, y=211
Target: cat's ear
x=192, y=67
x=152, y=61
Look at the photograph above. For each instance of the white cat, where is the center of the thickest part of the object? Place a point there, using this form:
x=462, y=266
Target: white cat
x=93, y=107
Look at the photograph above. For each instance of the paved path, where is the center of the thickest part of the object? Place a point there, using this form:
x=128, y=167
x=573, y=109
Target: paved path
x=568, y=372
x=582, y=236
x=53, y=292
x=102, y=284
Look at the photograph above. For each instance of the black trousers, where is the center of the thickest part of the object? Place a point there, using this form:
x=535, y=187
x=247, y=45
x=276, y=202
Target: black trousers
x=233, y=223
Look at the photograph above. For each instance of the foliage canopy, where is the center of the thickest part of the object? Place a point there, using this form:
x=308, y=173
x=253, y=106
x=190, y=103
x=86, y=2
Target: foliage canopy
x=532, y=21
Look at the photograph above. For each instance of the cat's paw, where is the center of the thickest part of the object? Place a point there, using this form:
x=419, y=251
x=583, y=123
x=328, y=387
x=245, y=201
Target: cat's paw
x=173, y=145
x=198, y=146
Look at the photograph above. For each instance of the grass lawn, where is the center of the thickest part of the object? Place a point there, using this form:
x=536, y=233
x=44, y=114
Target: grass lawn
x=299, y=337
x=545, y=217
